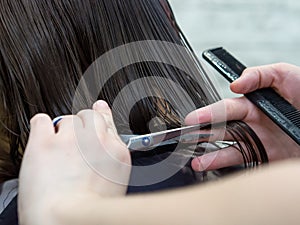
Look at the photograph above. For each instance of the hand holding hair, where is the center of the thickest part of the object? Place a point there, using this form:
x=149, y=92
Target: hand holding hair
x=285, y=79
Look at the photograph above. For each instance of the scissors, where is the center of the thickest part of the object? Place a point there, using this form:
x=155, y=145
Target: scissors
x=150, y=141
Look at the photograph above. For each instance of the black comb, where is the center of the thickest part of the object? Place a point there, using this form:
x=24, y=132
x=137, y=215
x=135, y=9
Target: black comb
x=281, y=112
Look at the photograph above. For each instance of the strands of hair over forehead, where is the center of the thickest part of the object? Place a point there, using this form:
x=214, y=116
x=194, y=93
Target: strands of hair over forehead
x=46, y=46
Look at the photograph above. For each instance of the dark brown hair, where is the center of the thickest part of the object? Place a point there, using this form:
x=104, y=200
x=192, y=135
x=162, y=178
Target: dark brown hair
x=46, y=46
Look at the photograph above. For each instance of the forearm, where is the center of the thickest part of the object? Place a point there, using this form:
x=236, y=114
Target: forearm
x=269, y=196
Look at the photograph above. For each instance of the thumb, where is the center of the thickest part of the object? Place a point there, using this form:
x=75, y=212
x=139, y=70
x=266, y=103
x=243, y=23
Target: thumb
x=256, y=78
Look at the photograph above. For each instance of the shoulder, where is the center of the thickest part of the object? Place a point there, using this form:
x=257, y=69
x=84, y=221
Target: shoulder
x=8, y=203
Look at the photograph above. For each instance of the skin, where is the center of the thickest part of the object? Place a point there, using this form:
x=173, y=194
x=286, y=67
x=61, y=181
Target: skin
x=59, y=186
x=285, y=79
x=55, y=161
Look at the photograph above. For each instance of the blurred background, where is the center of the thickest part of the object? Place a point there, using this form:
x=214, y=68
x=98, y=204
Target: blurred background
x=257, y=32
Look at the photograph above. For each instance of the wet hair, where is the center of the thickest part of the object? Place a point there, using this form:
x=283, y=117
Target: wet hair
x=46, y=46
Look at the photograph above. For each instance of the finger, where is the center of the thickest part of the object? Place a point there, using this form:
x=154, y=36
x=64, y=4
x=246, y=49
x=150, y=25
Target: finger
x=41, y=127
x=222, y=111
x=262, y=77
x=253, y=79
x=68, y=123
x=217, y=159
x=103, y=108
x=216, y=134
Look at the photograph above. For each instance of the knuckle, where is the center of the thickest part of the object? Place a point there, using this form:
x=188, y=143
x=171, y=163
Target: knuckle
x=282, y=67
x=282, y=64
x=228, y=104
x=229, y=107
x=248, y=70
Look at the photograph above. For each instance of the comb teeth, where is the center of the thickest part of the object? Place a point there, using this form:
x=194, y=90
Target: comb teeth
x=286, y=116
x=284, y=107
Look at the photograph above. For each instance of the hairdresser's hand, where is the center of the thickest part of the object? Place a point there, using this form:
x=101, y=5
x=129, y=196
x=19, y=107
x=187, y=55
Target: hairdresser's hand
x=285, y=79
x=83, y=158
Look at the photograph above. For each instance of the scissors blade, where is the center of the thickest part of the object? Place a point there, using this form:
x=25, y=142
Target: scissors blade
x=144, y=142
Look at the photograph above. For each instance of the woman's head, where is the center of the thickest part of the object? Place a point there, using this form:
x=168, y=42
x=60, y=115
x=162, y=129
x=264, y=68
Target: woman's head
x=46, y=46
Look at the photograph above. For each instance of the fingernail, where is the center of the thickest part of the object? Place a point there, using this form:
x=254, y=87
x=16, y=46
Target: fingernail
x=100, y=105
